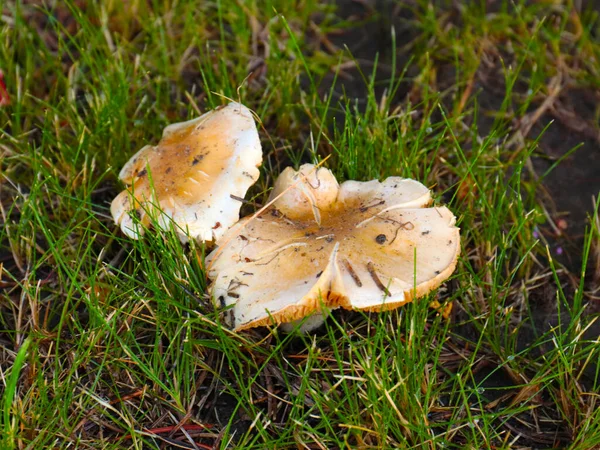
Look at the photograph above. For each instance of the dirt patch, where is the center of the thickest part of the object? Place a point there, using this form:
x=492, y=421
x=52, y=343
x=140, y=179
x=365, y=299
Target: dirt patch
x=572, y=186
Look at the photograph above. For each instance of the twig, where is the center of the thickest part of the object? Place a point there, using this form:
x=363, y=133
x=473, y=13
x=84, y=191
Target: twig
x=169, y=429
x=376, y=279
x=247, y=202
x=529, y=120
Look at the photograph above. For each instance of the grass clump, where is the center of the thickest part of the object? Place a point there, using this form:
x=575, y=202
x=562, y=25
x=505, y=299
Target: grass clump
x=109, y=343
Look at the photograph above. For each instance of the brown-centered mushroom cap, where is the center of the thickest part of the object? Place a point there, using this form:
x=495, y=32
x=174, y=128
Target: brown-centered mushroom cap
x=362, y=245
x=192, y=174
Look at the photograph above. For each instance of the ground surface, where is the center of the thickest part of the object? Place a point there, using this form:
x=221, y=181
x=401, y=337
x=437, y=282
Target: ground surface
x=107, y=342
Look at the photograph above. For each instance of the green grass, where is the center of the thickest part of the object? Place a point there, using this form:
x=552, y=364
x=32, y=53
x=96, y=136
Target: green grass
x=103, y=338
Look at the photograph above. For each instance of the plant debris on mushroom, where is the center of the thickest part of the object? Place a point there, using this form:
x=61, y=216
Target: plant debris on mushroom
x=359, y=245
x=194, y=176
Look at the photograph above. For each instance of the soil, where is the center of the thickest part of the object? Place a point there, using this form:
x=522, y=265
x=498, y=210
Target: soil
x=567, y=192
x=575, y=183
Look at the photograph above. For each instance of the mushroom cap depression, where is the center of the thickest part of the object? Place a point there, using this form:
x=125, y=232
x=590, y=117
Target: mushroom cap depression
x=360, y=245
x=191, y=175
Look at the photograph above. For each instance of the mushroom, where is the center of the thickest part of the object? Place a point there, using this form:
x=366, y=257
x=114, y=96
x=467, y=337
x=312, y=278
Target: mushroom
x=193, y=177
x=367, y=246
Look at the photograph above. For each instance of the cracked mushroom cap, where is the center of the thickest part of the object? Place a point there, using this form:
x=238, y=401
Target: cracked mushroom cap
x=375, y=246
x=191, y=175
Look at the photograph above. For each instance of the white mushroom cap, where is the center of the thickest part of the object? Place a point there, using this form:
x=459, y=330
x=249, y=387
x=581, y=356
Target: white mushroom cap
x=377, y=246
x=192, y=174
